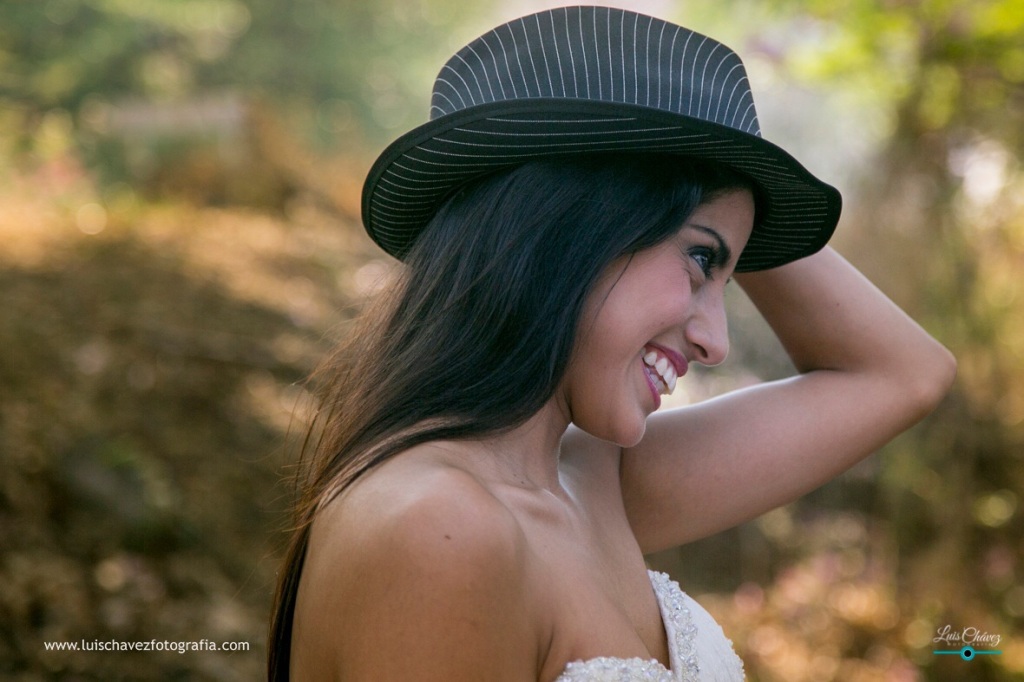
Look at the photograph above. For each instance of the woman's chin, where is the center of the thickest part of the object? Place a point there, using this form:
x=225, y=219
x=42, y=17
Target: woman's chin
x=623, y=430
x=630, y=442
x=626, y=435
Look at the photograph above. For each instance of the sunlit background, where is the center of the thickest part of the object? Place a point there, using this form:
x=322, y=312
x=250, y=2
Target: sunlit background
x=179, y=193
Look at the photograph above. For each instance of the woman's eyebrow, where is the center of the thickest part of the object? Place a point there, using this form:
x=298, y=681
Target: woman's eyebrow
x=724, y=252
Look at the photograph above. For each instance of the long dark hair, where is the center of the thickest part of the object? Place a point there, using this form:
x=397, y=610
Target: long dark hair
x=477, y=334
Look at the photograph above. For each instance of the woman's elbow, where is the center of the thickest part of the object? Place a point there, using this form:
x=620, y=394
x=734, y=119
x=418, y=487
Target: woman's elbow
x=933, y=378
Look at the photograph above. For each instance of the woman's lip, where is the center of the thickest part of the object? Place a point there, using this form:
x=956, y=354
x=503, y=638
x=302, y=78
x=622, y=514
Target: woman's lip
x=677, y=360
x=650, y=385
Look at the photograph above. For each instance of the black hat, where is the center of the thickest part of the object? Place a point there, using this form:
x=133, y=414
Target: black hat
x=578, y=80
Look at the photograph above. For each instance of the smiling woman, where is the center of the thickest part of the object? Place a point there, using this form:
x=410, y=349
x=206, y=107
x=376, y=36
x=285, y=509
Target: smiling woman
x=654, y=312
x=489, y=474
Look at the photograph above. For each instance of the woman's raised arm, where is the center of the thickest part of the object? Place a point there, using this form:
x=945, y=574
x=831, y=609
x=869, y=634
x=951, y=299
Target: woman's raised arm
x=867, y=372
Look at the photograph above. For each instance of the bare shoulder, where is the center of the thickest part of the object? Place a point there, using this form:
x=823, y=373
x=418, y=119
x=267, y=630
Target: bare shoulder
x=421, y=511
x=417, y=572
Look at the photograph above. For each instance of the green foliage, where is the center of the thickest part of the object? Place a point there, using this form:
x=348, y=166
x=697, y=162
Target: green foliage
x=335, y=69
x=893, y=51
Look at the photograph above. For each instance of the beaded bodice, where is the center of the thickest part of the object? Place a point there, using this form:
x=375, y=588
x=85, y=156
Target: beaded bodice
x=698, y=650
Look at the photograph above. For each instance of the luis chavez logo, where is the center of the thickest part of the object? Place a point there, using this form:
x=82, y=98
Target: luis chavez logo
x=972, y=642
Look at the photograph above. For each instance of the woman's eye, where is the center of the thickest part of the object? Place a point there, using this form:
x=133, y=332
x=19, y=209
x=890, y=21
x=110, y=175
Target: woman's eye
x=704, y=258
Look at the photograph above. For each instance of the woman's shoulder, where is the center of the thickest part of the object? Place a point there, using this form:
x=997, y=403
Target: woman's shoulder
x=421, y=554
x=409, y=504
x=417, y=566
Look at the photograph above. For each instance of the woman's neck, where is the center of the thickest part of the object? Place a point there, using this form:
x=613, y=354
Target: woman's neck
x=526, y=456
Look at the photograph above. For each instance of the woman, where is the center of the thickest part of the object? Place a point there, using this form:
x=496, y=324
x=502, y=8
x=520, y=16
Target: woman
x=490, y=473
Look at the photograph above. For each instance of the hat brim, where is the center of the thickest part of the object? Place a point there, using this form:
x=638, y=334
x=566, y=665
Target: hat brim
x=796, y=217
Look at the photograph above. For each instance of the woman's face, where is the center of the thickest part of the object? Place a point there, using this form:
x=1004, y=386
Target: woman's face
x=651, y=314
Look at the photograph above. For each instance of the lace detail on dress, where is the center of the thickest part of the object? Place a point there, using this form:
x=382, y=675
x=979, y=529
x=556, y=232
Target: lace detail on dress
x=608, y=669
x=684, y=652
x=679, y=627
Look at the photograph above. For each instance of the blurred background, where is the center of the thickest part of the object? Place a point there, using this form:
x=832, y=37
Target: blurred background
x=180, y=243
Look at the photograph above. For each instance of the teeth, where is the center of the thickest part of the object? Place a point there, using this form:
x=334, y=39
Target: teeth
x=666, y=372
x=661, y=365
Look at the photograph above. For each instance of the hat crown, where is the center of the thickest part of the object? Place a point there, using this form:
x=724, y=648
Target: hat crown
x=590, y=80
x=600, y=54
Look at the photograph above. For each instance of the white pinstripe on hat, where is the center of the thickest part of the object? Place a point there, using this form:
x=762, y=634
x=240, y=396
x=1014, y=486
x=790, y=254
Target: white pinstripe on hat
x=579, y=80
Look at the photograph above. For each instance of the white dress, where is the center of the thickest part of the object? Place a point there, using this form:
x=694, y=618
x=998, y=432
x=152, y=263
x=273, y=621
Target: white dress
x=698, y=649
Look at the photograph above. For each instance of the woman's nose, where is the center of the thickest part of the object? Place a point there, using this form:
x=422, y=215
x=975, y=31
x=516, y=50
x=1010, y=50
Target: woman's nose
x=707, y=333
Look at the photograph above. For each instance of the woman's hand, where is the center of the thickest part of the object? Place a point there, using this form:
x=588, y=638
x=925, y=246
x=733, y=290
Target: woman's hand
x=867, y=372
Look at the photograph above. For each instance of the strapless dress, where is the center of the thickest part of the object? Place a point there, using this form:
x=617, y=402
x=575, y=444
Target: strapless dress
x=698, y=649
